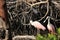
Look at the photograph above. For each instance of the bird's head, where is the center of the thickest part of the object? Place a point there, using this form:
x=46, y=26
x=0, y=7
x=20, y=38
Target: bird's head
x=31, y=21
x=48, y=17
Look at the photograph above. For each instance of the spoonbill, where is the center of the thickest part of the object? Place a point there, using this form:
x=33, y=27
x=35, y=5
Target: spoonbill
x=50, y=27
x=37, y=25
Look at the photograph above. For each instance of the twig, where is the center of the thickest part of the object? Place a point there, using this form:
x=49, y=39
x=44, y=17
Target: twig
x=51, y=11
x=11, y=2
x=56, y=4
x=46, y=12
x=27, y=3
x=6, y=37
x=25, y=36
x=55, y=19
x=39, y=3
x=51, y=19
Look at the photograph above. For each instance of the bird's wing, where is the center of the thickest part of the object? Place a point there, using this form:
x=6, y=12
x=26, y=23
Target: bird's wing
x=38, y=25
x=49, y=27
x=52, y=27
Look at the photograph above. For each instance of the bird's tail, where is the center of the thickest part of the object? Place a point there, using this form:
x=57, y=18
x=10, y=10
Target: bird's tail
x=54, y=33
x=43, y=28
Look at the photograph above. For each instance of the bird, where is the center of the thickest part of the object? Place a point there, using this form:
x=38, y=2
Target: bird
x=50, y=27
x=37, y=25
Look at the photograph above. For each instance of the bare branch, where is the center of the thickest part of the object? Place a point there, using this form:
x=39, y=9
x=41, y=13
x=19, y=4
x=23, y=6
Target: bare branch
x=25, y=36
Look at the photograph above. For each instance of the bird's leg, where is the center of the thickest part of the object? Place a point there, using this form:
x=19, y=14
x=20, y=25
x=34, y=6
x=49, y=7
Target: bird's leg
x=38, y=31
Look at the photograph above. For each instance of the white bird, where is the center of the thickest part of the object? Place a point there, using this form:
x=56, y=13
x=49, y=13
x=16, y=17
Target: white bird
x=50, y=27
x=37, y=25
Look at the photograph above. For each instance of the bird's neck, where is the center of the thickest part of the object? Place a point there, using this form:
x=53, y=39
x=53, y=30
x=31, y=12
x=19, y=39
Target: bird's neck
x=49, y=21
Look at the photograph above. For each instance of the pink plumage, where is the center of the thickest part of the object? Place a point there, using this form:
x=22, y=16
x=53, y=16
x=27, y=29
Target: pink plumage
x=50, y=27
x=37, y=25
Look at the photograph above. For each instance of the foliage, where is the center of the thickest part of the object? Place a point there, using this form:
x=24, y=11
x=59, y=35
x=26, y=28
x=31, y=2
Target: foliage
x=52, y=37
x=49, y=36
x=58, y=31
x=39, y=37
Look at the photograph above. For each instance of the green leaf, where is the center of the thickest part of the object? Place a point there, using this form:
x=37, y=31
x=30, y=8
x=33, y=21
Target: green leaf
x=39, y=37
x=52, y=37
x=58, y=30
